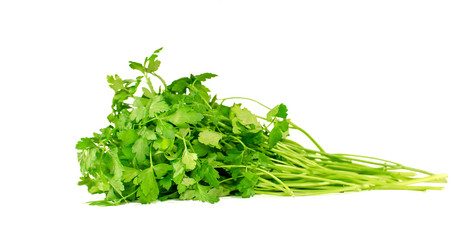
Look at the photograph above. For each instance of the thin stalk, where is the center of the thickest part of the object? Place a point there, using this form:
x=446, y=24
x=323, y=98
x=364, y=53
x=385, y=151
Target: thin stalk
x=294, y=185
x=161, y=79
x=423, y=179
x=397, y=165
x=279, y=161
x=244, y=98
x=293, y=176
x=237, y=139
x=412, y=188
x=307, y=135
x=270, y=184
x=291, y=123
x=224, y=126
x=288, y=168
x=291, y=159
x=314, y=192
x=265, y=172
x=225, y=180
x=297, y=155
x=149, y=83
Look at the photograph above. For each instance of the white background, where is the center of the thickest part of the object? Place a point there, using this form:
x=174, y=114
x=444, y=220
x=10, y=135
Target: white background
x=390, y=79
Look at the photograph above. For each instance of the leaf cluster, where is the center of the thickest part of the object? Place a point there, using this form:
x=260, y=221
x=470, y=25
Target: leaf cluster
x=181, y=143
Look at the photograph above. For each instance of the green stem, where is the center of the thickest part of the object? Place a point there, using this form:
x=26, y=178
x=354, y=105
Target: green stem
x=292, y=176
x=225, y=180
x=237, y=139
x=271, y=122
x=149, y=83
x=295, y=184
x=150, y=156
x=412, y=188
x=130, y=194
x=423, y=179
x=279, y=161
x=224, y=126
x=289, y=158
x=265, y=172
x=223, y=100
x=161, y=79
x=271, y=184
x=396, y=165
x=313, y=192
x=288, y=168
x=203, y=99
x=292, y=124
x=307, y=135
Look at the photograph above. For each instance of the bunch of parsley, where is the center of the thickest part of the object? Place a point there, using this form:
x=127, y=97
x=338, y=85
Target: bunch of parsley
x=181, y=143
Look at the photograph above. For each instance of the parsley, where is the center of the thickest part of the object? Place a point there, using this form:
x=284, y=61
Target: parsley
x=209, y=137
x=182, y=143
x=184, y=115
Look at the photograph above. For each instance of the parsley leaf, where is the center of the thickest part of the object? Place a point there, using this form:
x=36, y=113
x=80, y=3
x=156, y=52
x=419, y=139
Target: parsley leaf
x=85, y=143
x=186, y=181
x=129, y=174
x=166, y=182
x=184, y=115
x=148, y=190
x=165, y=130
x=245, y=116
x=147, y=133
x=189, y=159
x=244, y=120
x=139, y=112
x=274, y=137
x=153, y=65
x=161, y=169
x=204, y=76
x=140, y=148
x=128, y=136
x=179, y=171
x=136, y=66
x=203, y=194
x=116, y=82
x=180, y=85
x=158, y=105
x=209, y=137
x=279, y=111
x=246, y=185
x=210, y=174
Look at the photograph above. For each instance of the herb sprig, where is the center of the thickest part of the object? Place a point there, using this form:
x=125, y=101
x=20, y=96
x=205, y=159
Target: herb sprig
x=181, y=143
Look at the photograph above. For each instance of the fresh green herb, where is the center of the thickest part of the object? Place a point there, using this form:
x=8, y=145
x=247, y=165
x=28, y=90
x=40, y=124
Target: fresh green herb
x=182, y=143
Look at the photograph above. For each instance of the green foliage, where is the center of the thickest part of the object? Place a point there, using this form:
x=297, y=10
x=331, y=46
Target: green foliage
x=279, y=111
x=149, y=188
x=182, y=143
x=158, y=105
x=184, y=115
x=209, y=137
x=139, y=112
x=189, y=159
